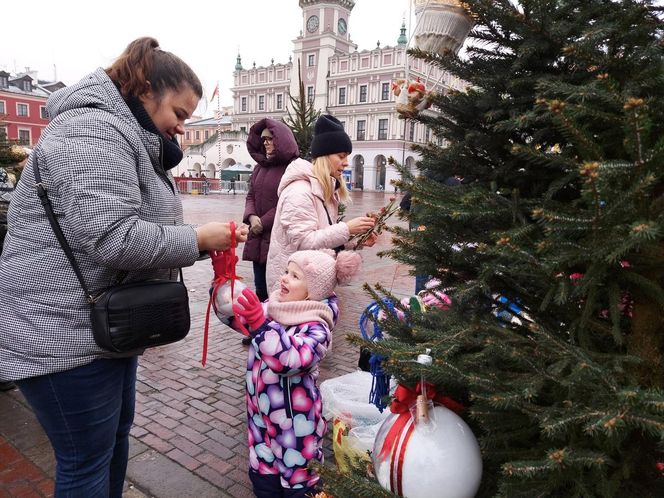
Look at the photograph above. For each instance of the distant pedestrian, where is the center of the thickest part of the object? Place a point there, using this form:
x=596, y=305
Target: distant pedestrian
x=114, y=132
x=309, y=197
x=284, y=406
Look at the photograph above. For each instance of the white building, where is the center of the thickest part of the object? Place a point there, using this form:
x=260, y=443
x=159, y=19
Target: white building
x=213, y=156
x=355, y=86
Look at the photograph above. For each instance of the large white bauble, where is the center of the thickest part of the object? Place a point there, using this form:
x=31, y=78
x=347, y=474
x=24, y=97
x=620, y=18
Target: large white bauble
x=223, y=300
x=442, y=460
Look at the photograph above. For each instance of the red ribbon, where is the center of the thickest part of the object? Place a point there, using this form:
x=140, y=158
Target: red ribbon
x=396, y=441
x=223, y=272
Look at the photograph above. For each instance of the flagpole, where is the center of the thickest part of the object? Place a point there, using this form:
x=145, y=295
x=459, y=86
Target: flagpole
x=218, y=136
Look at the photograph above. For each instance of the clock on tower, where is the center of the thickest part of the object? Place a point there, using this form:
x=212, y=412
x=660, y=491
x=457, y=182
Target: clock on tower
x=312, y=24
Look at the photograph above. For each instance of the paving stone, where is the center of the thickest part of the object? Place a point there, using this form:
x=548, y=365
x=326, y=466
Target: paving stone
x=161, y=477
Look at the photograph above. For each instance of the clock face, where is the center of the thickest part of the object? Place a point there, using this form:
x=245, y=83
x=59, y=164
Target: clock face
x=312, y=24
x=341, y=26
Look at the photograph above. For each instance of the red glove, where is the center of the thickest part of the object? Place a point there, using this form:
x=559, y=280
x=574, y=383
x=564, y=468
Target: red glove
x=251, y=308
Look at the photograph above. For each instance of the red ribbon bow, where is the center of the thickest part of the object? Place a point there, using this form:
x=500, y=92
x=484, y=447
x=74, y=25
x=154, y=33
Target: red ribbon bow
x=404, y=398
x=395, y=445
x=223, y=263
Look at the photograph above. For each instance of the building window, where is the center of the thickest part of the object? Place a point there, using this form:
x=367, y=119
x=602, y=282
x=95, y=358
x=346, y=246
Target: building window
x=311, y=60
x=207, y=134
x=27, y=86
x=42, y=112
x=243, y=129
x=187, y=135
x=22, y=110
x=363, y=93
x=2, y=107
x=310, y=94
x=243, y=104
x=261, y=102
x=342, y=95
x=3, y=132
x=198, y=134
x=382, y=129
x=4, y=81
x=385, y=91
x=427, y=133
x=361, y=129
x=24, y=137
x=280, y=101
x=411, y=135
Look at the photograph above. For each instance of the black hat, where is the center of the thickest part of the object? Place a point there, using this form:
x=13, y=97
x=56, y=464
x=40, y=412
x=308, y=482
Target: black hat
x=329, y=137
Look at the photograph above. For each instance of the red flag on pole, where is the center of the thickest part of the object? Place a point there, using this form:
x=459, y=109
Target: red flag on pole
x=215, y=93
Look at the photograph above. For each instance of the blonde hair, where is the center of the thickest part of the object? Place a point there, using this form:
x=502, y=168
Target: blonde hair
x=322, y=172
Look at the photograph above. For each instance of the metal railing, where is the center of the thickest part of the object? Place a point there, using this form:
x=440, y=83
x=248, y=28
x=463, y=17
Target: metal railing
x=206, y=186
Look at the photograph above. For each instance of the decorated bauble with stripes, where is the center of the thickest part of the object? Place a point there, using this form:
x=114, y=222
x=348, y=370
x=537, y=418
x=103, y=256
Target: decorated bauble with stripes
x=434, y=458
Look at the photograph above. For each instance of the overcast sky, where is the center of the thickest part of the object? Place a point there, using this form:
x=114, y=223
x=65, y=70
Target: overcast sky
x=78, y=36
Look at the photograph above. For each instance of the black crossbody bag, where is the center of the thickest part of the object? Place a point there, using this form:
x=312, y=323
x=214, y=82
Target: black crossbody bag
x=133, y=316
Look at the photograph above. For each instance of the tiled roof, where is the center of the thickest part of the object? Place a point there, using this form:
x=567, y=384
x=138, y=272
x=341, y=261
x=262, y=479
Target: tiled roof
x=40, y=88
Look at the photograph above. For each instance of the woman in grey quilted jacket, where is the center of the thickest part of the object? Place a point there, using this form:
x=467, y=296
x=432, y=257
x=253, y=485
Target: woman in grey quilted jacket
x=105, y=158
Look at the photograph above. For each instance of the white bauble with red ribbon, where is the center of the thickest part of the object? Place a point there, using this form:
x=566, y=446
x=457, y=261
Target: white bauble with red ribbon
x=225, y=297
x=435, y=459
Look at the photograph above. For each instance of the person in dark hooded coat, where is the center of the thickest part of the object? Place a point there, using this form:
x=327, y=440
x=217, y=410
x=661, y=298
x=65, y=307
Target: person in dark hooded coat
x=272, y=145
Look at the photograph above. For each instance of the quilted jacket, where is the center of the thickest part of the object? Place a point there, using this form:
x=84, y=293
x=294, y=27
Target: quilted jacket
x=119, y=211
x=301, y=220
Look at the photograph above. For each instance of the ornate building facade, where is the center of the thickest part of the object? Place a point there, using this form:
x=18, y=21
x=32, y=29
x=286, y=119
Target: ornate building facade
x=353, y=85
x=23, y=98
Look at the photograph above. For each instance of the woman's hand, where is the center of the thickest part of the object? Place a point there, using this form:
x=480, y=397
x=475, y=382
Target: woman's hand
x=371, y=240
x=256, y=225
x=360, y=224
x=216, y=236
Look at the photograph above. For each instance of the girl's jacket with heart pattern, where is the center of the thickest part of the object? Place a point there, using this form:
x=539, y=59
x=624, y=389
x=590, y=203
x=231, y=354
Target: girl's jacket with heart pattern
x=284, y=407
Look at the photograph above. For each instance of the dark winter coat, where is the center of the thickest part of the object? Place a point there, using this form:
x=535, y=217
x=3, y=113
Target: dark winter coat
x=262, y=197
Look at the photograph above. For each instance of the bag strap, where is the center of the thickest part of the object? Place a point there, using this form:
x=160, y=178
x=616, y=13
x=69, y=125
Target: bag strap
x=48, y=207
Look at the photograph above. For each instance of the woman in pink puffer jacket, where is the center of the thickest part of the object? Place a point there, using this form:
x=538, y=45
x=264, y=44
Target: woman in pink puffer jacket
x=309, y=197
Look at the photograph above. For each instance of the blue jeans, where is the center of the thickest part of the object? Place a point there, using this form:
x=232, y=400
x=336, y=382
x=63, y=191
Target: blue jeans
x=87, y=413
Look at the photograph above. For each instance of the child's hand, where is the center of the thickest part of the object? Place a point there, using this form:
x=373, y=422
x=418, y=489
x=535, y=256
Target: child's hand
x=250, y=308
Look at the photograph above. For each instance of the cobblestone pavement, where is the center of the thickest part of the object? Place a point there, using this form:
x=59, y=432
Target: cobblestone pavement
x=188, y=438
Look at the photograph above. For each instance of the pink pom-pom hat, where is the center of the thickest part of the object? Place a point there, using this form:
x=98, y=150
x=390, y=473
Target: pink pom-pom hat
x=323, y=271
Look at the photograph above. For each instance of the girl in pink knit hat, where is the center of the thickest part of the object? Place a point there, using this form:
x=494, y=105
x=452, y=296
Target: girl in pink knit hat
x=284, y=408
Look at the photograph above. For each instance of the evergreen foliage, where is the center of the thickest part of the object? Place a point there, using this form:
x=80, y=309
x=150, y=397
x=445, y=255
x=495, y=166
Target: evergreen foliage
x=6, y=157
x=302, y=118
x=560, y=141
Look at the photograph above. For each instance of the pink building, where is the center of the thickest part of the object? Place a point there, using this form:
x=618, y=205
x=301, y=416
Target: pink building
x=23, y=105
x=355, y=86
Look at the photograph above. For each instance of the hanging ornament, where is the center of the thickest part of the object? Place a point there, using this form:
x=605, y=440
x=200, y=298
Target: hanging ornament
x=412, y=97
x=226, y=296
x=432, y=454
x=226, y=287
x=442, y=25
x=380, y=384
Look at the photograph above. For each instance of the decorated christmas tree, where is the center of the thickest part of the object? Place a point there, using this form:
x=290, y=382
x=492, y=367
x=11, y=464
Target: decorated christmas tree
x=551, y=249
